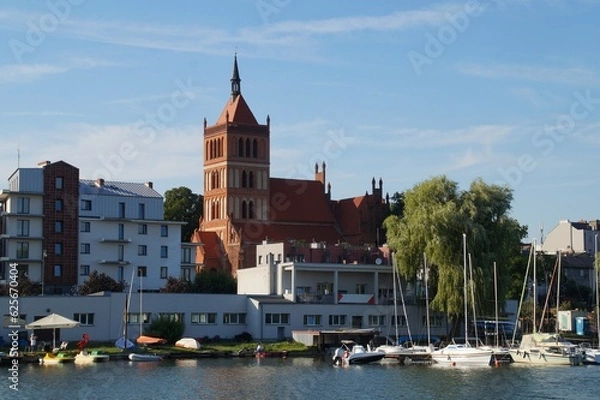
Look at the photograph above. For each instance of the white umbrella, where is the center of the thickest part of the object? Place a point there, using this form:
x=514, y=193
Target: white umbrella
x=53, y=321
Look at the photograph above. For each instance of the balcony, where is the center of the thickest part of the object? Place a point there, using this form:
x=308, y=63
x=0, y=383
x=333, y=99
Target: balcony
x=112, y=240
x=113, y=262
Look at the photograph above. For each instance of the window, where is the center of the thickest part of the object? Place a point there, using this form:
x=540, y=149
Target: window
x=57, y=270
x=141, y=211
x=312, y=320
x=164, y=251
x=58, y=248
x=22, y=205
x=84, y=319
x=23, y=269
x=186, y=274
x=142, y=250
x=84, y=226
x=186, y=255
x=399, y=320
x=376, y=320
x=22, y=227
x=134, y=318
x=435, y=321
x=120, y=252
x=204, y=318
x=324, y=287
x=59, y=182
x=277, y=319
x=337, y=320
x=164, y=231
x=22, y=249
x=58, y=205
x=361, y=288
x=86, y=205
x=234, y=318
x=58, y=226
x=142, y=271
x=171, y=316
x=142, y=229
x=85, y=248
x=121, y=231
x=84, y=270
x=121, y=210
x=164, y=272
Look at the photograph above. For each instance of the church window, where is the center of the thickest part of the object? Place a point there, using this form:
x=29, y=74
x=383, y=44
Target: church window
x=254, y=148
x=241, y=147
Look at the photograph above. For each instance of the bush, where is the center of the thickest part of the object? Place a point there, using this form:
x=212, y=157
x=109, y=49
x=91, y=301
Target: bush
x=243, y=337
x=166, y=328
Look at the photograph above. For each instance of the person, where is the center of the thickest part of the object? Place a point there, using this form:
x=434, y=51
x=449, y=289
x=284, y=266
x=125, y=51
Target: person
x=33, y=342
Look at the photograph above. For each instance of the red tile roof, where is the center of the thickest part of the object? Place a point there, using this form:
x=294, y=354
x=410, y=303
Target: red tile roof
x=238, y=111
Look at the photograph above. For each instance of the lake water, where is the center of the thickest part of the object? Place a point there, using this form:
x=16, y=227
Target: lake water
x=297, y=378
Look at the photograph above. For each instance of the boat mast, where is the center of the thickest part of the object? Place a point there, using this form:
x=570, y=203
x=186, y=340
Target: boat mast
x=597, y=288
x=427, y=300
x=395, y=301
x=558, y=291
x=496, y=302
x=472, y=281
x=141, y=313
x=534, y=285
x=465, y=286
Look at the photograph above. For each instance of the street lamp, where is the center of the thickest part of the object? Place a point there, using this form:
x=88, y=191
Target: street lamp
x=44, y=255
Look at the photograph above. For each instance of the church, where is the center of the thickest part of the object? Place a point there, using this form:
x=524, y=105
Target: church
x=244, y=206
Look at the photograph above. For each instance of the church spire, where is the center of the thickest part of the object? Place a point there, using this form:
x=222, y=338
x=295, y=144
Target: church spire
x=235, y=79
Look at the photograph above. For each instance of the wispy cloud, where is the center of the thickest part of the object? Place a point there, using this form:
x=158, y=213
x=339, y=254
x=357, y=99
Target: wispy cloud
x=538, y=73
x=38, y=114
x=19, y=73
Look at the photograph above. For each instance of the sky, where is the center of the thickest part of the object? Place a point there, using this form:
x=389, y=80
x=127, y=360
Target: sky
x=503, y=90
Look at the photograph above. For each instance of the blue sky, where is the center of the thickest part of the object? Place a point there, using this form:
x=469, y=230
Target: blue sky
x=505, y=90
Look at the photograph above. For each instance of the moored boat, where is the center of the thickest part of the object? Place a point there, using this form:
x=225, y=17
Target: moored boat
x=546, y=349
x=351, y=353
x=144, y=357
x=85, y=357
x=54, y=359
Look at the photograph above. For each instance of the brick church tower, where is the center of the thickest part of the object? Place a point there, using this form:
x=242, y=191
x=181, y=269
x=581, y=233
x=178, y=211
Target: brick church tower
x=236, y=174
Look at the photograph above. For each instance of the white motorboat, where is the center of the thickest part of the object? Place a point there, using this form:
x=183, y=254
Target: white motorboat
x=462, y=354
x=54, y=359
x=351, y=353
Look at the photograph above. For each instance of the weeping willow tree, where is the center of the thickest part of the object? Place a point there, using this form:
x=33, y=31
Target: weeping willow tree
x=436, y=214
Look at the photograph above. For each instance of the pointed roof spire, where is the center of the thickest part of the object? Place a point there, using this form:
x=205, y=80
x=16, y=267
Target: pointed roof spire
x=235, y=78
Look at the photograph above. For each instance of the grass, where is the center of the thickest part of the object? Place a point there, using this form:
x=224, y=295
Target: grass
x=217, y=347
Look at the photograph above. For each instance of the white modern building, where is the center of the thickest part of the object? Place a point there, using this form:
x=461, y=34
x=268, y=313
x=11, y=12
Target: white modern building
x=122, y=230
x=572, y=237
x=58, y=229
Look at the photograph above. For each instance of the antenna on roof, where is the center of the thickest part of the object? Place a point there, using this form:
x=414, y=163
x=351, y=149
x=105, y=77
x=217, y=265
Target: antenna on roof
x=18, y=157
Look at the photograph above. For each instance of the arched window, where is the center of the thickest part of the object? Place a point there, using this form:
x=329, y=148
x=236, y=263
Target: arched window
x=250, y=179
x=244, y=179
x=244, y=210
x=254, y=148
x=251, y=209
x=206, y=151
x=248, y=148
x=241, y=147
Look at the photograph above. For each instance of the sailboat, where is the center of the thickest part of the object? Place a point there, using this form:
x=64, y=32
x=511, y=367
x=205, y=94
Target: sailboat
x=142, y=356
x=123, y=342
x=592, y=355
x=406, y=353
x=463, y=354
x=543, y=348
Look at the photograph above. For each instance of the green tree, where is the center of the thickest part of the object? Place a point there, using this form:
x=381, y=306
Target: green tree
x=177, y=285
x=214, y=282
x=166, y=328
x=183, y=205
x=436, y=215
x=397, y=204
x=98, y=283
x=25, y=287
